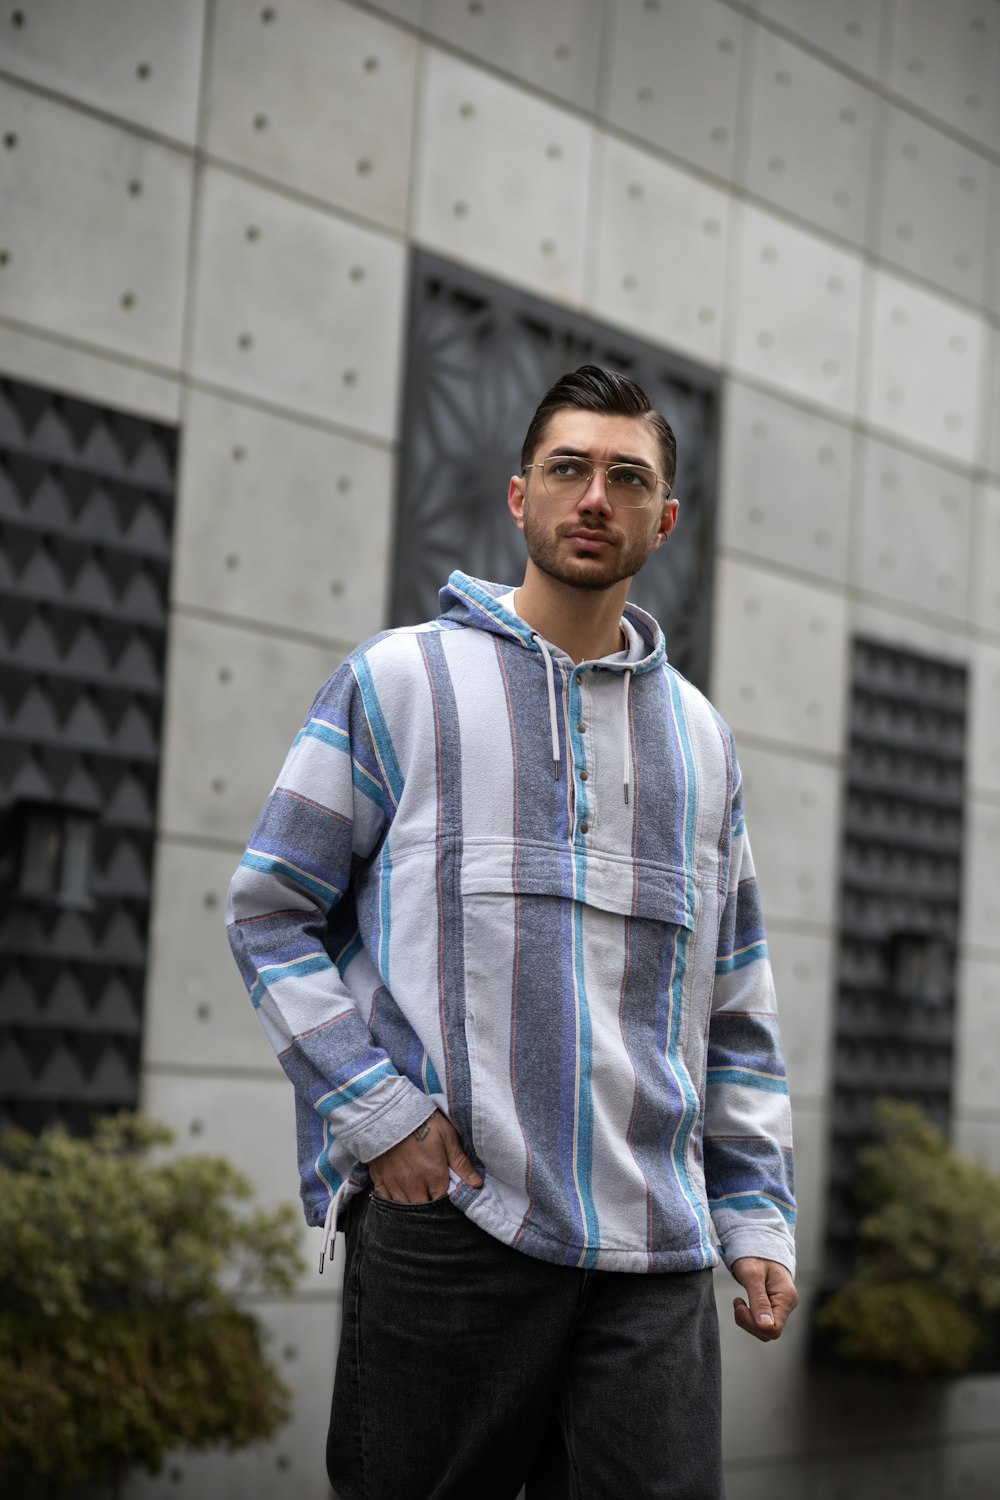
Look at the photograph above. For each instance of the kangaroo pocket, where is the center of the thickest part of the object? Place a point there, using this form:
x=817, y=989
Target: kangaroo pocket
x=568, y=1026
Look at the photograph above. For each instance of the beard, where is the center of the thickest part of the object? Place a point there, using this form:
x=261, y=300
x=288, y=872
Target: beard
x=589, y=571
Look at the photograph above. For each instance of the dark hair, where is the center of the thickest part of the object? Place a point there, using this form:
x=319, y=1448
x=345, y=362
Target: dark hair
x=591, y=388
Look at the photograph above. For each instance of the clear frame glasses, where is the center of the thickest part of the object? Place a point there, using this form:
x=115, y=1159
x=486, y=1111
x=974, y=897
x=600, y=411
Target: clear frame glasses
x=568, y=478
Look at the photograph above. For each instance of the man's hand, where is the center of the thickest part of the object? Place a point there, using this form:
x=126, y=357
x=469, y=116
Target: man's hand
x=415, y=1170
x=772, y=1294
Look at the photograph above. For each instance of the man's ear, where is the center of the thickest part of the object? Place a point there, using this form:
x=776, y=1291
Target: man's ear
x=515, y=499
x=668, y=520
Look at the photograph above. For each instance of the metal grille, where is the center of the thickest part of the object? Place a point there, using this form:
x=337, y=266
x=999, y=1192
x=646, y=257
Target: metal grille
x=481, y=356
x=899, y=908
x=86, y=510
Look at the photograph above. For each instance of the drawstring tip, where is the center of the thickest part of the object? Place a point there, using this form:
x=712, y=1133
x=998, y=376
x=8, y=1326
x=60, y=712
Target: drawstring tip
x=322, y=1258
x=555, y=767
x=626, y=794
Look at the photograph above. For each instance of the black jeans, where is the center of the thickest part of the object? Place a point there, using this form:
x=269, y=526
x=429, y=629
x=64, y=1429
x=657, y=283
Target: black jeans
x=467, y=1369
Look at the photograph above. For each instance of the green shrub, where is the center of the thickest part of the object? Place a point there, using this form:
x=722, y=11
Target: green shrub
x=118, y=1336
x=927, y=1278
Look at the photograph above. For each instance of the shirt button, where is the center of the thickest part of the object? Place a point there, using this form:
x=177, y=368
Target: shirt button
x=584, y=827
x=583, y=775
x=581, y=729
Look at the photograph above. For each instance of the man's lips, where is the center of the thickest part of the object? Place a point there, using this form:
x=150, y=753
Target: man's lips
x=589, y=540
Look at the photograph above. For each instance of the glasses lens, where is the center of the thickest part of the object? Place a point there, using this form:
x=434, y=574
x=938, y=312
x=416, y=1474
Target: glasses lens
x=566, y=478
x=629, y=484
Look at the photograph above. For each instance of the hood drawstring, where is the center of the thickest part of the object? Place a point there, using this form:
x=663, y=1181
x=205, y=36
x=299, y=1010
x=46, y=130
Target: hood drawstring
x=553, y=716
x=626, y=737
x=330, y=1223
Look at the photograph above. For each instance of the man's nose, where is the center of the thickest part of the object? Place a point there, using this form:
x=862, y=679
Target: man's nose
x=595, y=496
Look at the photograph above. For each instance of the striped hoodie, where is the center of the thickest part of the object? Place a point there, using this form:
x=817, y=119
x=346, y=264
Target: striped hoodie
x=491, y=882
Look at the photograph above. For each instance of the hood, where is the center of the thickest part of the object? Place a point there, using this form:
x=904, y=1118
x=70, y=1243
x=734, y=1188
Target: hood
x=475, y=602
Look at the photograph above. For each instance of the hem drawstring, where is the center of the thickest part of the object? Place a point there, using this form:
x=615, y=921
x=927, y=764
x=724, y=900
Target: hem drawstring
x=330, y=1223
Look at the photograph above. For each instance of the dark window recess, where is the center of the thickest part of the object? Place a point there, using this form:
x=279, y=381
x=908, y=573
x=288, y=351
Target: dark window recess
x=481, y=355
x=86, y=513
x=899, y=907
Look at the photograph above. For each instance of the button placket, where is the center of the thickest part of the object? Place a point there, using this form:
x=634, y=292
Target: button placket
x=581, y=773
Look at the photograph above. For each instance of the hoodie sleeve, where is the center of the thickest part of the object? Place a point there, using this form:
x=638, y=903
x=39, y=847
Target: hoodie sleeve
x=748, y=1140
x=293, y=927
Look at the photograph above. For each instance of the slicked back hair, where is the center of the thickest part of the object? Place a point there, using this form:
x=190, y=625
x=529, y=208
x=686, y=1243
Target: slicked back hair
x=591, y=388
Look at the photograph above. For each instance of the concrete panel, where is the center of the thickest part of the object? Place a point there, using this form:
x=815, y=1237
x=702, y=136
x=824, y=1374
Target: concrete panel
x=297, y=306
x=797, y=311
x=971, y=1405
x=970, y=1469
x=989, y=446
x=993, y=254
x=933, y=206
x=281, y=523
x=985, y=602
x=786, y=482
x=302, y=1338
x=779, y=657
x=793, y=814
x=983, y=768
x=679, y=306
x=47, y=361
x=318, y=96
x=198, y=1013
x=923, y=367
x=849, y=30
x=875, y=1476
x=803, y=966
x=251, y=1122
x=95, y=236
x=977, y=1076
x=811, y=138
x=410, y=11
x=946, y=60
x=236, y=700
x=979, y=1140
x=934, y=638
x=501, y=179
x=810, y=1131
x=554, y=46
x=914, y=528
x=981, y=876
x=766, y=1481
x=138, y=59
x=673, y=77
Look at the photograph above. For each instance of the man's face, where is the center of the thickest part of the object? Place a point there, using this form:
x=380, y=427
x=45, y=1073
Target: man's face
x=591, y=543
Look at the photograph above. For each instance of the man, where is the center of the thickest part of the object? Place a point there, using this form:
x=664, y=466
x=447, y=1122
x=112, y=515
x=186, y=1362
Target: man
x=500, y=922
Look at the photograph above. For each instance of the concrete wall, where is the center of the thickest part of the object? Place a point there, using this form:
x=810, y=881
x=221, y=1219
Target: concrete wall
x=206, y=213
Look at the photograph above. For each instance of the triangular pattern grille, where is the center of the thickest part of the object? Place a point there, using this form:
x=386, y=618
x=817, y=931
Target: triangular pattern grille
x=86, y=517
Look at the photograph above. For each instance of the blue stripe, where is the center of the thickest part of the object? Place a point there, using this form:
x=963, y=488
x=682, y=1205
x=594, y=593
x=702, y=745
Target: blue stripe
x=315, y=964
x=466, y=588
x=746, y=1079
x=584, y=1103
x=379, y=729
x=356, y=1088
x=385, y=913
x=338, y=739
x=740, y=960
x=349, y=953
x=691, y=1102
x=755, y=1200
x=328, y=894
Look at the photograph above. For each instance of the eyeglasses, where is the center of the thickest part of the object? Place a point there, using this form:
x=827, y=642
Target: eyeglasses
x=568, y=478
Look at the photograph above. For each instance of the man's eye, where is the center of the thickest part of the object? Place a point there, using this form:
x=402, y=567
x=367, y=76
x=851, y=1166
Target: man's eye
x=632, y=478
x=566, y=468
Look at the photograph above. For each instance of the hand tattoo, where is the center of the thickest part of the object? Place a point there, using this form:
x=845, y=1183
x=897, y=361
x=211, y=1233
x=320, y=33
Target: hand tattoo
x=422, y=1131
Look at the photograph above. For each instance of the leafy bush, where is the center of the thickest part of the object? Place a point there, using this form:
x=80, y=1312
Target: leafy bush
x=118, y=1339
x=927, y=1278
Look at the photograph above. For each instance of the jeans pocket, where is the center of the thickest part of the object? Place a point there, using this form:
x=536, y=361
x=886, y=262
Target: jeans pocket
x=392, y=1207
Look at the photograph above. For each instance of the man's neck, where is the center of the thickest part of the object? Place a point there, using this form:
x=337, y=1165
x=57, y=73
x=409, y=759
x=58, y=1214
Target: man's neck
x=585, y=623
